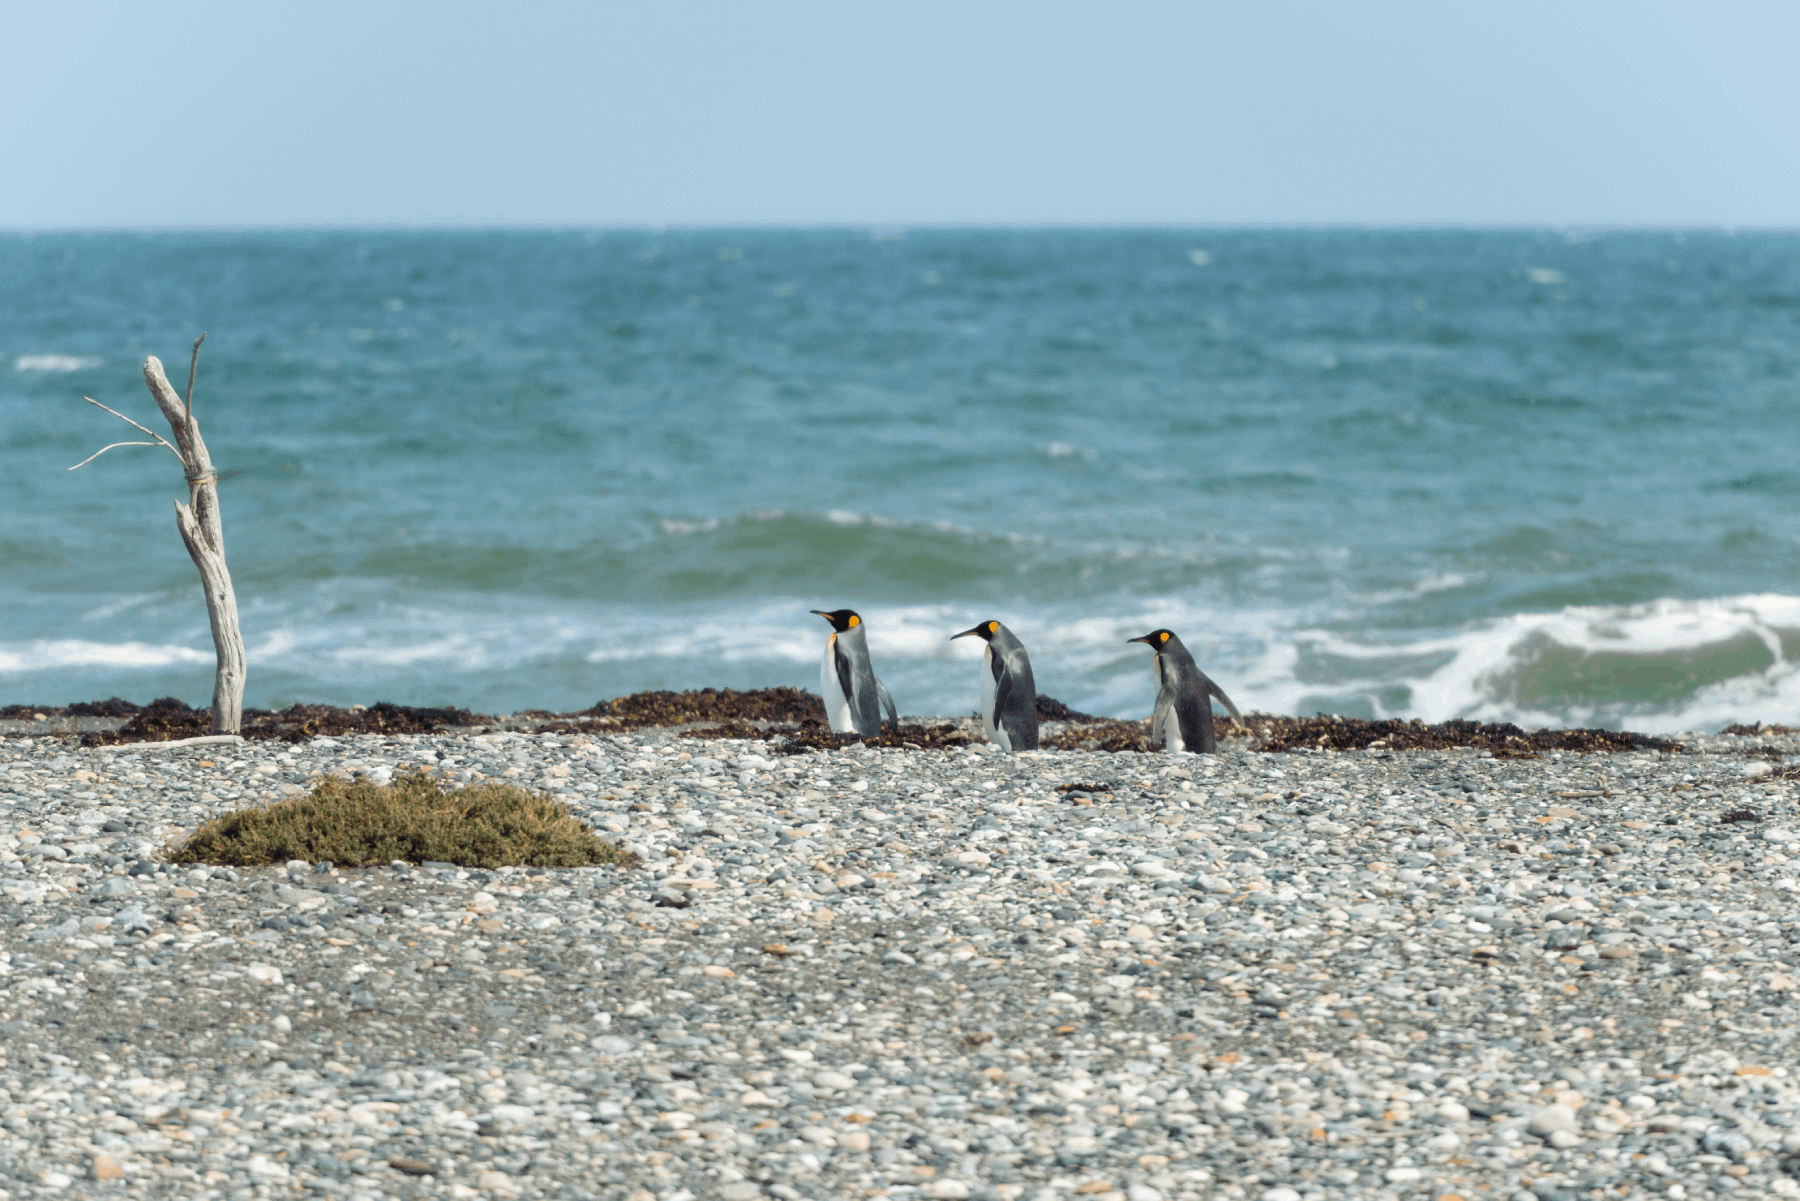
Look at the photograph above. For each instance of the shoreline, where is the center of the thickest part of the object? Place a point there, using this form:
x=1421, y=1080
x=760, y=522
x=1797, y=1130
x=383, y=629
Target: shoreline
x=921, y=974
x=796, y=716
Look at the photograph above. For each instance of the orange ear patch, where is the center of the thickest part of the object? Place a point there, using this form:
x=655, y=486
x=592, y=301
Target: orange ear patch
x=853, y=622
x=993, y=627
x=1164, y=635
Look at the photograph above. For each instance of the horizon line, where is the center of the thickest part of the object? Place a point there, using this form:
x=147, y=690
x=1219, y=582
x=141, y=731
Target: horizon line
x=904, y=227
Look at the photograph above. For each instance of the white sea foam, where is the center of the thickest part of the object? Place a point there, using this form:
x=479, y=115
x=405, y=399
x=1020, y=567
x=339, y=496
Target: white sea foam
x=1446, y=582
x=55, y=362
x=48, y=654
x=469, y=651
x=674, y=527
x=120, y=606
x=1481, y=668
x=1280, y=660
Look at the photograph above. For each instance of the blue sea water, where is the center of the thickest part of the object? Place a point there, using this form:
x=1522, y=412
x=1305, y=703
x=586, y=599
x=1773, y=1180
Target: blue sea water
x=1531, y=476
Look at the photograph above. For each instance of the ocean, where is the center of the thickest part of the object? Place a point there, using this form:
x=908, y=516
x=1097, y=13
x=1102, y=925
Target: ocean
x=1536, y=476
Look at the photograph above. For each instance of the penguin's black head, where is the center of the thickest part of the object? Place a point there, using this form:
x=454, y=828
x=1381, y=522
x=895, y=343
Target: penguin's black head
x=1158, y=639
x=985, y=631
x=840, y=619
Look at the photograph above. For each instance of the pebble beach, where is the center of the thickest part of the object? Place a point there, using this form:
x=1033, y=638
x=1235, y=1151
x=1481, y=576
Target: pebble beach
x=915, y=974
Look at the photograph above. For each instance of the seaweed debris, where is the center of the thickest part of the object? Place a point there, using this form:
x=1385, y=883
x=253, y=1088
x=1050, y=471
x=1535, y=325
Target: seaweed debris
x=1103, y=734
x=733, y=729
x=793, y=721
x=1504, y=740
x=790, y=706
x=111, y=707
x=1273, y=735
x=167, y=719
x=1754, y=730
x=814, y=736
x=1051, y=709
x=941, y=737
x=1117, y=735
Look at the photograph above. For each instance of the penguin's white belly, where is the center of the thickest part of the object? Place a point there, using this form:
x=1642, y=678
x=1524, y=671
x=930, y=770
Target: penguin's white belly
x=837, y=705
x=1172, y=741
x=987, y=696
x=1166, y=724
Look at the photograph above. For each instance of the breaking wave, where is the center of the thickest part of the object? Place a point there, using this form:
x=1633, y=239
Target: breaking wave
x=1665, y=666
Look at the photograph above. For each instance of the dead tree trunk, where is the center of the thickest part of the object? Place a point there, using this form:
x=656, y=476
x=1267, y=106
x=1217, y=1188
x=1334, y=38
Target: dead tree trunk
x=202, y=533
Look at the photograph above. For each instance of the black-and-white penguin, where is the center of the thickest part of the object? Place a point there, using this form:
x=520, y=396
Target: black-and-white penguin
x=854, y=698
x=1008, y=693
x=1183, y=720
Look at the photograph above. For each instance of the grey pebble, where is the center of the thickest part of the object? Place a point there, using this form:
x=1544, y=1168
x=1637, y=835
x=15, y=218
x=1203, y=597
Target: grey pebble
x=914, y=974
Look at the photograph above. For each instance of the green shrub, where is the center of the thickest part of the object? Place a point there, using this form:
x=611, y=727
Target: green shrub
x=413, y=819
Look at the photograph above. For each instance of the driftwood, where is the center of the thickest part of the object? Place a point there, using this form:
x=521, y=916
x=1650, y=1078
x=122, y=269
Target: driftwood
x=205, y=740
x=201, y=531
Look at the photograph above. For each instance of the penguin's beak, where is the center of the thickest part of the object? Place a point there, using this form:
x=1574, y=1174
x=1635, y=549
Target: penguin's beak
x=966, y=634
x=821, y=613
x=1147, y=640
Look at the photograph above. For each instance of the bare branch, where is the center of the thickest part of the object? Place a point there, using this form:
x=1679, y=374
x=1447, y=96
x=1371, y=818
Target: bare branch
x=104, y=449
x=194, y=366
x=129, y=421
x=193, y=369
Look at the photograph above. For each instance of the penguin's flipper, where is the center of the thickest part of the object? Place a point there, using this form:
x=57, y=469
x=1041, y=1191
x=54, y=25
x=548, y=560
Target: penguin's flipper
x=1219, y=692
x=831, y=689
x=1003, y=690
x=845, y=680
x=1165, y=723
x=887, y=705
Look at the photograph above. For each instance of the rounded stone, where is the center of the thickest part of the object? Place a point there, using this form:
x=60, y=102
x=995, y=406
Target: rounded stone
x=1551, y=1118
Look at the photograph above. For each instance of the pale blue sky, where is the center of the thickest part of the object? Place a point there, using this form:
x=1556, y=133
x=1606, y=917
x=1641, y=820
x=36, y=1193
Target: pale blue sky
x=1385, y=111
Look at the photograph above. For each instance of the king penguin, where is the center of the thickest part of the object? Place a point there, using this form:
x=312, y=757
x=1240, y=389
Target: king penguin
x=1183, y=720
x=1008, y=694
x=854, y=698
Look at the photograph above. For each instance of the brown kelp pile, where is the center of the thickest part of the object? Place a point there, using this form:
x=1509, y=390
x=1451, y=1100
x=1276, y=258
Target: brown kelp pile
x=168, y=719
x=793, y=706
x=1503, y=739
x=794, y=720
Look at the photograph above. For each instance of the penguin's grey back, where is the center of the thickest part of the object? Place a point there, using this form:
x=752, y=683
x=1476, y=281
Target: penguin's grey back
x=856, y=675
